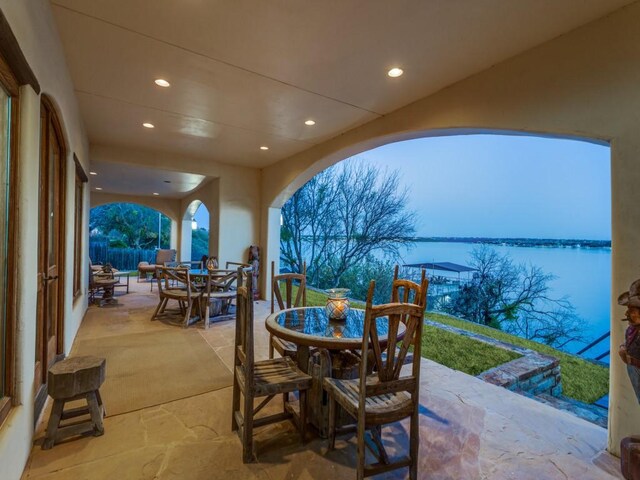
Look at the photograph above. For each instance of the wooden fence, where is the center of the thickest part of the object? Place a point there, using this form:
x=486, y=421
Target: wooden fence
x=120, y=258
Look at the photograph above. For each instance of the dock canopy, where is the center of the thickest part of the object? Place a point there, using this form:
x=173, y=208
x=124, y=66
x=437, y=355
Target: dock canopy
x=444, y=266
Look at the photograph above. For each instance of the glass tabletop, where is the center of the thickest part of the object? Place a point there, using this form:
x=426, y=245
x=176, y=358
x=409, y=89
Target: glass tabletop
x=314, y=321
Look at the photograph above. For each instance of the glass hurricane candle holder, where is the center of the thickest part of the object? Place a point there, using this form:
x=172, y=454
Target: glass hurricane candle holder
x=337, y=304
x=212, y=263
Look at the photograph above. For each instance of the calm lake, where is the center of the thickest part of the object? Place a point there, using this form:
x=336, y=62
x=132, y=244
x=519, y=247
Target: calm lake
x=583, y=276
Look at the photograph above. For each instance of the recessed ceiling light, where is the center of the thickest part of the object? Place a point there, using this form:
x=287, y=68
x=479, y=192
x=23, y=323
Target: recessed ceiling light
x=309, y=122
x=161, y=82
x=93, y=173
x=148, y=125
x=395, y=72
x=156, y=193
x=264, y=147
x=98, y=188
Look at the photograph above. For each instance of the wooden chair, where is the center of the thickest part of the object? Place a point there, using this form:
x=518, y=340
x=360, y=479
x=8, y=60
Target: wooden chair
x=283, y=347
x=101, y=282
x=263, y=379
x=184, y=292
x=221, y=291
x=384, y=397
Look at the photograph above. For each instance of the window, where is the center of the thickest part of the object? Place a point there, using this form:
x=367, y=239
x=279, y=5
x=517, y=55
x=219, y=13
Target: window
x=81, y=179
x=8, y=122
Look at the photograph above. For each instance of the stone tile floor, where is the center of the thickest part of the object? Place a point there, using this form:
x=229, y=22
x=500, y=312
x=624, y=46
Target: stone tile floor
x=468, y=429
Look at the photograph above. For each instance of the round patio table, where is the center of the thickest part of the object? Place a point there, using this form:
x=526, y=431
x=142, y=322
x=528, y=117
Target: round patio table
x=311, y=327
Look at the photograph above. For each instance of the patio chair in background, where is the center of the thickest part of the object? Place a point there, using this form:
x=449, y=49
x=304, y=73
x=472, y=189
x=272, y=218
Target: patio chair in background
x=186, y=294
x=145, y=269
x=287, y=280
x=384, y=397
x=101, y=283
x=263, y=379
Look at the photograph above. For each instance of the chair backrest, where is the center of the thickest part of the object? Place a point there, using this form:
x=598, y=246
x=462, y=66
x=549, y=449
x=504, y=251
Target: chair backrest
x=405, y=291
x=388, y=366
x=165, y=275
x=243, y=356
x=165, y=256
x=243, y=273
x=236, y=265
x=191, y=264
x=288, y=280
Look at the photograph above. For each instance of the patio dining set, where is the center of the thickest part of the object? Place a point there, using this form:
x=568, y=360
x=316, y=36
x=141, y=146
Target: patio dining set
x=338, y=370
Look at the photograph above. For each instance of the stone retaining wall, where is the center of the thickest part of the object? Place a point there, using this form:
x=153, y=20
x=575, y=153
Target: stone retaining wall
x=533, y=373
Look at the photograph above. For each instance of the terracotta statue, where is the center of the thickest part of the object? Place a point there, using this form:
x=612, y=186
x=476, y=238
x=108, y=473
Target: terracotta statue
x=629, y=352
x=254, y=261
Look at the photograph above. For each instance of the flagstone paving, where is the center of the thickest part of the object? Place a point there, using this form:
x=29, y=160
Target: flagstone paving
x=469, y=429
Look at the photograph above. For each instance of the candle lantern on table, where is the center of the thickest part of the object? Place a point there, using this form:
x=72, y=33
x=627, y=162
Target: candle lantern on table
x=212, y=263
x=337, y=303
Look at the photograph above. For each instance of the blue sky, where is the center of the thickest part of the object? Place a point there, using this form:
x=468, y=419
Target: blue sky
x=503, y=186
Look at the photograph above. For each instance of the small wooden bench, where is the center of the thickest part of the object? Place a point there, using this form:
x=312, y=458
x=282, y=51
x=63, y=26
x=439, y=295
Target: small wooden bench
x=73, y=379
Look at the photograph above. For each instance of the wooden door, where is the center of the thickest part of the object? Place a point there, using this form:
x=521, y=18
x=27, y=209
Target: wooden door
x=51, y=241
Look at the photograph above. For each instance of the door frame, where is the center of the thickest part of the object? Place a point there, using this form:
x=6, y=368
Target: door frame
x=48, y=108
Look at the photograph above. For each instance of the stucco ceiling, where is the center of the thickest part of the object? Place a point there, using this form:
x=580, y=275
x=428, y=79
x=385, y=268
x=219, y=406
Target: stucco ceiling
x=249, y=73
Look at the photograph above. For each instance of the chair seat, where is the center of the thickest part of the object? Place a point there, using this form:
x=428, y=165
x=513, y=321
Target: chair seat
x=385, y=408
x=105, y=282
x=274, y=376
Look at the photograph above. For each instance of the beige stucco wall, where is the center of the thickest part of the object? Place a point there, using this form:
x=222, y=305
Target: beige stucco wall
x=235, y=190
x=33, y=26
x=583, y=84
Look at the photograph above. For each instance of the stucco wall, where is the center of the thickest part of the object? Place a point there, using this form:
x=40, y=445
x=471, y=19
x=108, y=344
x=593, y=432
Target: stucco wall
x=582, y=84
x=236, y=218
x=33, y=25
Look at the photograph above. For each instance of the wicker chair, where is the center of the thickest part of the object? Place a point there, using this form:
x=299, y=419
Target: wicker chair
x=384, y=396
x=263, y=379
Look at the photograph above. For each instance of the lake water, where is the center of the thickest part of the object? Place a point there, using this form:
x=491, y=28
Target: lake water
x=583, y=275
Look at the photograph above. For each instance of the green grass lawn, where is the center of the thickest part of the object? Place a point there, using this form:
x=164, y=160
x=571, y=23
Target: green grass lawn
x=581, y=380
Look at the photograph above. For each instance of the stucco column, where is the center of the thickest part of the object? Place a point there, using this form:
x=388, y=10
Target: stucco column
x=174, y=241
x=271, y=245
x=624, y=409
x=185, y=240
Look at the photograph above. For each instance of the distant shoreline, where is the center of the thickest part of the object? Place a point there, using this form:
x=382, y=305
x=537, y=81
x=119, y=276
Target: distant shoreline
x=520, y=242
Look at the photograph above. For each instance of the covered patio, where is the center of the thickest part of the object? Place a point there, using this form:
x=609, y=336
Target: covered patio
x=236, y=105
x=468, y=428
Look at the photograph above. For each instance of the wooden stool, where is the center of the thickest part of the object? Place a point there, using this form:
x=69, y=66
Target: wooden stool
x=73, y=379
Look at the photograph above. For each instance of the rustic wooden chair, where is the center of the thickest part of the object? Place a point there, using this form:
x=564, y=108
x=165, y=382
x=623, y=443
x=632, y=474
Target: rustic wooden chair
x=104, y=283
x=384, y=397
x=220, y=291
x=265, y=378
x=183, y=291
x=283, y=347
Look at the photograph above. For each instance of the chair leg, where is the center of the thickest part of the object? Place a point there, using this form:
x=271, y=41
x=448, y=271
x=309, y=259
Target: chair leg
x=361, y=450
x=332, y=422
x=247, y=430
x=270, y=346
x=187, y=315
x=157, y=311
x=414, y=445
x=164, y=305
x=235, y=404
x=303, y=415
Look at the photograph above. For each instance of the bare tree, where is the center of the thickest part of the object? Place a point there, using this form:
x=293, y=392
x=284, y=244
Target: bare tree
x=340, y=217
x=516, y=299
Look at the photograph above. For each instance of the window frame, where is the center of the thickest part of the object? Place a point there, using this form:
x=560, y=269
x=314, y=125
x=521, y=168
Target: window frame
x=11, y=86
x=78, y=209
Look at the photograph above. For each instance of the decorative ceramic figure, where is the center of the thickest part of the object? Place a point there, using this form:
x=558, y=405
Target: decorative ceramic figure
x=254, y=261
x=629, y=352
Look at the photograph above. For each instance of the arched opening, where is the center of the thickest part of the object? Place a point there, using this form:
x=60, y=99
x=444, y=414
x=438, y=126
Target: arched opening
x=579, y=268
x=195, y=231
x=124, y=234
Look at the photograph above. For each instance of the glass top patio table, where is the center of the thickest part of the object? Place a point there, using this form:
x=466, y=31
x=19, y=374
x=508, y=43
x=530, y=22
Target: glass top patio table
x=311, y=327
x=197, y=272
